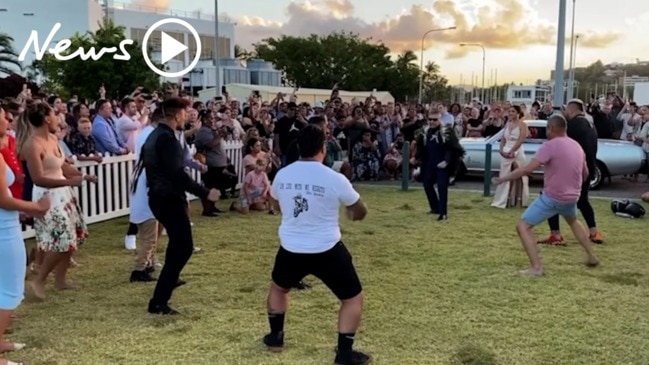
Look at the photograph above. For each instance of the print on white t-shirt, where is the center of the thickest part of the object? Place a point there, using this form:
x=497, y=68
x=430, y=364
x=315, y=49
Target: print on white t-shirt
x=309, y=195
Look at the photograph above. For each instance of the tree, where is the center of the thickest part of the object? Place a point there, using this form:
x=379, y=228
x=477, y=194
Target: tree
x=435, y=84
x=84, y=78
x=345, y=59
x=241, y=53
x=8, y=57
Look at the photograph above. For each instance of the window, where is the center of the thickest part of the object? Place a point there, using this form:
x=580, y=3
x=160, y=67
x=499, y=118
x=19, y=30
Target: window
x=522, y=94
x=536, y=135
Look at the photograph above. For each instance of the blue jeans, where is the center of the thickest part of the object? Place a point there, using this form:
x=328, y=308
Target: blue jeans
x=545, y=207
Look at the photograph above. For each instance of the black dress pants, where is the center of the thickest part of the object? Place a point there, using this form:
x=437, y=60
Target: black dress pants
x=171, y=213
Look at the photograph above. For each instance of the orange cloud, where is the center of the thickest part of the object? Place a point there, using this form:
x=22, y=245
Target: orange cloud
x=504, y=24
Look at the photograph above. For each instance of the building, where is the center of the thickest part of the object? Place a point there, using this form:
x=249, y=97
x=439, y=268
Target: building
x=19, y=18
x=630, y=81
x=527, y=94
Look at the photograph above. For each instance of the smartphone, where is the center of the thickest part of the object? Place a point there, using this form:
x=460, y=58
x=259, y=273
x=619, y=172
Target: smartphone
x=223, y=90
x=218, y=98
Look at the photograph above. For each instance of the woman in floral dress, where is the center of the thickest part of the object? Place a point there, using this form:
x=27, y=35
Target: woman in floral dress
x=62, y=229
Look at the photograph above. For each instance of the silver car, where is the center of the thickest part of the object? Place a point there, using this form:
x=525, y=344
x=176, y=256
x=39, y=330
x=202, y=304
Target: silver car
x=614, y=157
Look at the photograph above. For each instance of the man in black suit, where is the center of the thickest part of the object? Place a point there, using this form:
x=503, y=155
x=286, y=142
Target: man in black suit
x=583, y=133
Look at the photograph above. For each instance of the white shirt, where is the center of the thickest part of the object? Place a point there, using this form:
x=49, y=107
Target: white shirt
x=309, y=195
x=140, y=211
x=127, y=129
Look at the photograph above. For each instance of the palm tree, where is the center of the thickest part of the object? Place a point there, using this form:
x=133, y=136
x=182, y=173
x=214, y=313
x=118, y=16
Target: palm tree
x=406, y=59
x=8, y=56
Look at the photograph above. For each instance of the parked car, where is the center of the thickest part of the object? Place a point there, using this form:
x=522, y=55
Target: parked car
x=614, y=157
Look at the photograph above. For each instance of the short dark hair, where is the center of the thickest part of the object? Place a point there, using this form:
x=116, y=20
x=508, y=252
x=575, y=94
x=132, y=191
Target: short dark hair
x=318, y=120
x=125, y=102
x=310, y=140
x=172, y=106
x=558, y=121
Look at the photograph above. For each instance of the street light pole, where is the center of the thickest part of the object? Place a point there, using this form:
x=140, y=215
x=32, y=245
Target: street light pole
x=571, y=76
x=421, y=59
x=558, y=68
x=484, y=59
x=215, y=53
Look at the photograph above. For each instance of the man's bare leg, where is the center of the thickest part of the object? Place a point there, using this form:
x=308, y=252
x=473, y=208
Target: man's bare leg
x=529, y=243
x=582, y=236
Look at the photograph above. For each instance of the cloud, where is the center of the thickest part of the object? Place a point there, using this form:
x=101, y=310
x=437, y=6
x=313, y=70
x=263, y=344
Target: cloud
x=496, y=24
x=157, y=4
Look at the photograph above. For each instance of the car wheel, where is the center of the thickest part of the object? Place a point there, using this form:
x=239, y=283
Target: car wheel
x=598, y=178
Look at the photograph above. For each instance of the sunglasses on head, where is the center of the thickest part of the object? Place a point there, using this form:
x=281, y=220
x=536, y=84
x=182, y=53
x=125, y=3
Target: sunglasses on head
x=433, y=119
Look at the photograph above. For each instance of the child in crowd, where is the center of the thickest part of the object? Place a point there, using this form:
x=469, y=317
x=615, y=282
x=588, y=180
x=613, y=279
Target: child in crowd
x=256, y=191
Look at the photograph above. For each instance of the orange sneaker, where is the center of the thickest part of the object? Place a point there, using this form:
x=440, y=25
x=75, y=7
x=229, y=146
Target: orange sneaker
x=597, y=237
x=553, y=240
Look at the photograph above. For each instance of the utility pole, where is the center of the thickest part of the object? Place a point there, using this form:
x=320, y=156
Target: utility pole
x=559, y=69
x=215, y=53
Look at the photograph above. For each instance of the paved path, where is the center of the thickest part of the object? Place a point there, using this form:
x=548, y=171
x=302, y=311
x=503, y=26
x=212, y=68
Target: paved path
x=618, y=188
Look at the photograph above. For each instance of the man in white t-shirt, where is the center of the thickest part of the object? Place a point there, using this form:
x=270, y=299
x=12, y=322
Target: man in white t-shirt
x=142, y=216
x=309, y=195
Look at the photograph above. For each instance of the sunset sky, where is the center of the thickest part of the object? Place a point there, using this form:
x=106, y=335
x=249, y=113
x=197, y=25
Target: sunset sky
x=519, y=35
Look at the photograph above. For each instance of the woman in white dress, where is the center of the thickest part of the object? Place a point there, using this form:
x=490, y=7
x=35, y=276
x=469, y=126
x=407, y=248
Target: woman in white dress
x=512, y=156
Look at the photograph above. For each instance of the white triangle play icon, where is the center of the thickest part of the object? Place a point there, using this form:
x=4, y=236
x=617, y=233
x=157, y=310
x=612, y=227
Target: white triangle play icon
x=170, y=47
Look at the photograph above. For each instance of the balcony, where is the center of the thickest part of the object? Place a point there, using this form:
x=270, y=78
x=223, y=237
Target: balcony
x=170, y=12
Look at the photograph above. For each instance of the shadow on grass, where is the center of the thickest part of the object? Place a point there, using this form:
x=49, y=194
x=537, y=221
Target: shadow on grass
x=405, y=207
x=622, y=278
x=473, y=355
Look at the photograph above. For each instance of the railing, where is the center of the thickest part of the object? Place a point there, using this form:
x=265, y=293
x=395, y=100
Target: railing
x=109, y=197
x=172, y=12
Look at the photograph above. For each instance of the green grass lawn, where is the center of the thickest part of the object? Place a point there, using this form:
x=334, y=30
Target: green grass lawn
x=436, y=293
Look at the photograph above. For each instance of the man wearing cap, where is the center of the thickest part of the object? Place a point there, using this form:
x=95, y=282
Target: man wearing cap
x=580, y=130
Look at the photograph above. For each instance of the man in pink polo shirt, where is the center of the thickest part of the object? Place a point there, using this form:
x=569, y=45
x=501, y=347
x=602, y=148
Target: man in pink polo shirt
x=564, y=172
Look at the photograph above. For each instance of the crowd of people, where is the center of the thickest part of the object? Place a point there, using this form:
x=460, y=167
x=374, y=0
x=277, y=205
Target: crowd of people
x=41, y=137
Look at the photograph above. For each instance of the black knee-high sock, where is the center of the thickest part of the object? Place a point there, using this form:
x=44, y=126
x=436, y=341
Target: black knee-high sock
x=276, y=321
x=345, y=341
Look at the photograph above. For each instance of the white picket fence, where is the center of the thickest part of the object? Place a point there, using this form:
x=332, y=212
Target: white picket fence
x=109, y=197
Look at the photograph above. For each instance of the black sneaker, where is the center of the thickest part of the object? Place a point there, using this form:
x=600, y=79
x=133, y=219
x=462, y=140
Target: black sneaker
x=141, y=277
x=274, y=343
x=165, y=310
x=352, y=358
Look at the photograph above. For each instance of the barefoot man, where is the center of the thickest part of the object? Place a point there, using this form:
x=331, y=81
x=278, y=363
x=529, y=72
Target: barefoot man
x=564, y=172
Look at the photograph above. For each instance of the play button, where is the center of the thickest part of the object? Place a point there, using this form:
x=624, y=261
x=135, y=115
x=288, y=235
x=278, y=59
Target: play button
x=170, y=47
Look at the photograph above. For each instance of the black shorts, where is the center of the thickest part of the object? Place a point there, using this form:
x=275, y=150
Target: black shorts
x=334, y=267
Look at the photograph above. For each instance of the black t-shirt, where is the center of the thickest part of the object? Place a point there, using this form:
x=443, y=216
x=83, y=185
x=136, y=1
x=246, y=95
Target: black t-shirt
x=409, y=131
x=581, y=131
x=287, y=129
x=491, y=130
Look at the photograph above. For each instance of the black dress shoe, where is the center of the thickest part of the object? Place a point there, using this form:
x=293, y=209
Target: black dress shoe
x=180, y=282
x=141, y=277
x=217, y=210
x=165, y=310
x=210, y=214
x=442, y=217
x=150, y=269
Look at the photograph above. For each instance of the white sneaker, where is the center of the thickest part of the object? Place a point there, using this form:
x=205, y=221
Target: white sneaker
x=130, y=242
x=191, y=224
